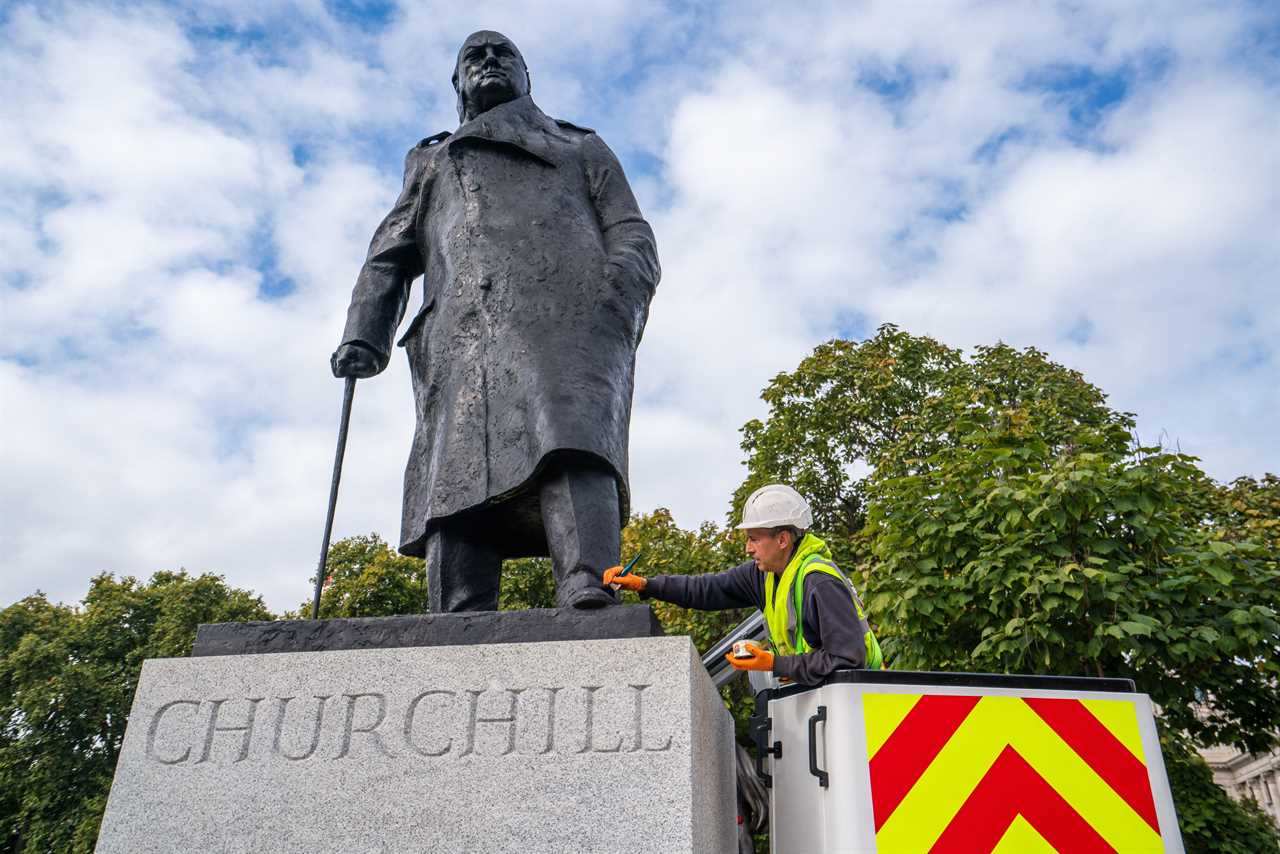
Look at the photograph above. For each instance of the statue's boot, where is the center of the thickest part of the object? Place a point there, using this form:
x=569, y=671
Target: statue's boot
x=584, y=534
x=463, y=570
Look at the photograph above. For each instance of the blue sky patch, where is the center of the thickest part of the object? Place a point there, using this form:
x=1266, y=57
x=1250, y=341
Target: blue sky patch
x=894, y=84
x=274, y=284
x=368, y=15
x=1087, y=94
x=24, y=360
x=235, y=431
x=1081, y=332
x=19, y=280
x=638, y=163
x=990, y=150
x=268, y=46
x=852, y=325
x=1259, y=49
x=129, y=331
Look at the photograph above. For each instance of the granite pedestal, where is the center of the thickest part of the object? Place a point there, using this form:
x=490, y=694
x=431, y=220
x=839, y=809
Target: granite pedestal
x=473, y=627
x=599, y=746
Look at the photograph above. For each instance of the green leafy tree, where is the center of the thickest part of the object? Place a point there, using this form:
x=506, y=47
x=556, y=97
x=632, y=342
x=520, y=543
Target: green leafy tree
x=367, y=578
x=1009, y=523
x=670, y=550
x=830, y=416
x=67, y=678
x=833, y=419
x=527, y=582
x=1006, y=556
x=1249, y=509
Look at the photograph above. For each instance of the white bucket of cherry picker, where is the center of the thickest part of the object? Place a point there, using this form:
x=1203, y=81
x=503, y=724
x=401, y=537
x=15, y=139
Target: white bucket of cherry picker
x=896, y=762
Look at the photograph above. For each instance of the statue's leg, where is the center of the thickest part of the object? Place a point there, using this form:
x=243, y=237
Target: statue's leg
x=463, y=570
x=580, y=515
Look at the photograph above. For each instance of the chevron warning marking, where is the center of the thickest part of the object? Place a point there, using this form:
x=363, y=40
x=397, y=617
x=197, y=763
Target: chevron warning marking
x=1011, y=788
x=953, y=758
x=912, y=747
x=1104, y=753
x=1022, y=838
x=1120, y=720
x=890, y=710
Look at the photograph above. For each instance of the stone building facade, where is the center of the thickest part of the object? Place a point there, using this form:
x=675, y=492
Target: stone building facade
x=1245, y=775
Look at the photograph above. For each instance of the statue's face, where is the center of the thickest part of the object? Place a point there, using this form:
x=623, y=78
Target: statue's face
x=490, y=72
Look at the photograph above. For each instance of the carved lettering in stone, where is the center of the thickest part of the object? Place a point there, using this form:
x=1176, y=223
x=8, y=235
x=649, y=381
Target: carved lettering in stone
x=410, y=720
x=494, y=722
x=317, y=723
x=245, y=729
x=154, y=728
x=639, y=723
x=349, y=728
x=589, y=729
x=473, y=720
x=551, y=720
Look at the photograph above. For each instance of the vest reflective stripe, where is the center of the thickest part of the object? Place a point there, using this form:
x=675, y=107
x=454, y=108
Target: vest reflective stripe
x=784, y=603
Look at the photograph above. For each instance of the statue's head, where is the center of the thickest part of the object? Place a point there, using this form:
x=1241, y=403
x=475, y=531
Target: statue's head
x=490, y=71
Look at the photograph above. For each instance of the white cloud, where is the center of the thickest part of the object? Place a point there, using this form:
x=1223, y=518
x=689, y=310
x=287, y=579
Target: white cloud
x=159, y=411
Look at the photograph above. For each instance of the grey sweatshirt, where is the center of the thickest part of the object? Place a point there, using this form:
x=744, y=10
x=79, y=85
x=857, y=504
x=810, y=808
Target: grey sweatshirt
x=831, y=623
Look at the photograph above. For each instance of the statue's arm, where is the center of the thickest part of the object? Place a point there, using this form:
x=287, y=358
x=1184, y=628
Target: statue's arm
x=394, y=261
x=628, y=239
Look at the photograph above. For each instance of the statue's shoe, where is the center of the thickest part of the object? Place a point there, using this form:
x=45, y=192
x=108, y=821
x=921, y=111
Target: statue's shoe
x=590, y=598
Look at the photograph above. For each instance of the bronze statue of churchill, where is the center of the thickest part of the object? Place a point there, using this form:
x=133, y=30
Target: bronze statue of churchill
x=538, y=271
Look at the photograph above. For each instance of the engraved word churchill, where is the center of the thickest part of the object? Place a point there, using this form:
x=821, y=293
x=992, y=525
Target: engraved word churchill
x=434, y=723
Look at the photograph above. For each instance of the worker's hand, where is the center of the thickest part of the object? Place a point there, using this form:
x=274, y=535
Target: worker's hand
x=761, y=659
x=352, y=360
x=631, y=581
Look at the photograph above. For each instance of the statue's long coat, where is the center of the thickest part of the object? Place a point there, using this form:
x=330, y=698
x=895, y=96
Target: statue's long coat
x=538, y=272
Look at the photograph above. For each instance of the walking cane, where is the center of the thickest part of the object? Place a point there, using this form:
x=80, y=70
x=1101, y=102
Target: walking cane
x=347, y=394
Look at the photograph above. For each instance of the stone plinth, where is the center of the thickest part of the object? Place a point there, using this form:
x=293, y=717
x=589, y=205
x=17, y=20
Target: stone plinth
x=592, y=746
x=472, y=627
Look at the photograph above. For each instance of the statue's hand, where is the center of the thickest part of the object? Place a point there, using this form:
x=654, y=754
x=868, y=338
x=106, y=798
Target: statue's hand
x=352, y=360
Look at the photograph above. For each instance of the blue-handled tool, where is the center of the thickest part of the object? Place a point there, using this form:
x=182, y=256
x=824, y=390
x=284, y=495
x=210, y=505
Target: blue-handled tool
x=631, y=564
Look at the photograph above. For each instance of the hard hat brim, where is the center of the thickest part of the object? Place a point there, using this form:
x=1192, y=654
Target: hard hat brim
x=775, y=523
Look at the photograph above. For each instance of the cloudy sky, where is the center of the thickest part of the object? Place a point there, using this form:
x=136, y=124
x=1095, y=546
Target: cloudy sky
x=187, y=192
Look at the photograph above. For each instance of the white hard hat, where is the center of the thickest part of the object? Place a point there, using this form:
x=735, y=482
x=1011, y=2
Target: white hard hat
x=776, y=506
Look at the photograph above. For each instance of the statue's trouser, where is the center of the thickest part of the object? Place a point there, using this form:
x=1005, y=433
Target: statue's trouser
x=580, y=517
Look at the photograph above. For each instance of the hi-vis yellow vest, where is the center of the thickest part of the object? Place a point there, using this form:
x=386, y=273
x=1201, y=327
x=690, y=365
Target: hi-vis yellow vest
x=784, y=601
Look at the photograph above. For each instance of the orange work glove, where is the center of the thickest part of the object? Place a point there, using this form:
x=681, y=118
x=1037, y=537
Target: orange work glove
x=761, y=659
x=630, y=581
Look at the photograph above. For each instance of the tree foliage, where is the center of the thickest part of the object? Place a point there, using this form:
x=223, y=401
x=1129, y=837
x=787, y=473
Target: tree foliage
x=527, y=582
x=1004, y=519
x=669, y=550
x=830, y=417
x=1006, y=556
x=67, y=677
x=1249, y=509
x=367, y=578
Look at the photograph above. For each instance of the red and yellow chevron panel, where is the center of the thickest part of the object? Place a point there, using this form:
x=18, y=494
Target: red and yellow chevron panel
x=970, y=774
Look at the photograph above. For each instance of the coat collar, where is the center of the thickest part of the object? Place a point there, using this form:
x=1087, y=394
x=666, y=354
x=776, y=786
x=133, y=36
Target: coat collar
x=518, y=123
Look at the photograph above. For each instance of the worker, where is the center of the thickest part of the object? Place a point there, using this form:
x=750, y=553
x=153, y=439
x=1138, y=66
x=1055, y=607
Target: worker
x=816, y=621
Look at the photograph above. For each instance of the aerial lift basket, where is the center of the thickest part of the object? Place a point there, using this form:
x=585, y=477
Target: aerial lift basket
x=896, y=762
